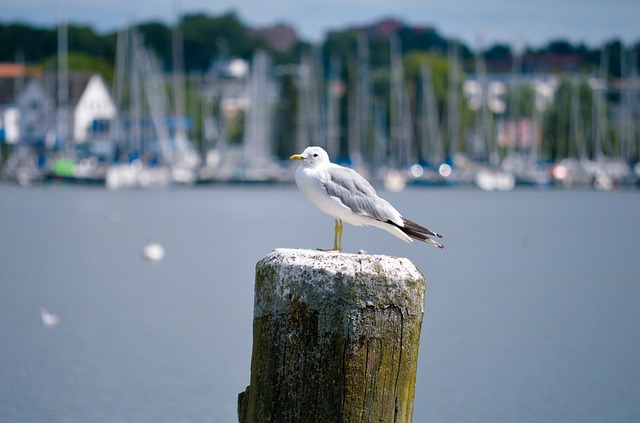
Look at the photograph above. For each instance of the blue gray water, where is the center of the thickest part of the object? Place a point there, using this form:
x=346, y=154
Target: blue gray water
x=532, y=311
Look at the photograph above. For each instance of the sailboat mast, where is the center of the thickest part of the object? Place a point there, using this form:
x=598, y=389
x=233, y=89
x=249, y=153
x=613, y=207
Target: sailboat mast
x=357, y=144
x=334, y=88
x=452, y=101
x=401, y=136
x=180, y=132
x=575, y=148
x=62, y=121
x=431, y=147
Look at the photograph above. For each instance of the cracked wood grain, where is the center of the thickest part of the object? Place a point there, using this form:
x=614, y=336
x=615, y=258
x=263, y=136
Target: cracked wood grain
x=335, y=338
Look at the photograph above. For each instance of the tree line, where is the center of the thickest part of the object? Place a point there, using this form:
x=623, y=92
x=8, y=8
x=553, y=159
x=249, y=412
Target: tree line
x=207, y=37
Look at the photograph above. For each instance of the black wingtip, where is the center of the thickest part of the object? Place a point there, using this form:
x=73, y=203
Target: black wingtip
x=418, y=232
x=415, y=227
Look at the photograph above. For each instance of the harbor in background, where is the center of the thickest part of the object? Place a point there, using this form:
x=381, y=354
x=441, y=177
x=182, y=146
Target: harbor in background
x=441, y=116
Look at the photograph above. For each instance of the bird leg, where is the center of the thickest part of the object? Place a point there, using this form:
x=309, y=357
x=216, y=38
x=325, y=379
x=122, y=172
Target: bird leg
x=337, y=238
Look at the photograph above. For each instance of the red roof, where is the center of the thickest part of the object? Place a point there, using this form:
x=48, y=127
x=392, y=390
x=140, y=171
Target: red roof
x=13, y=70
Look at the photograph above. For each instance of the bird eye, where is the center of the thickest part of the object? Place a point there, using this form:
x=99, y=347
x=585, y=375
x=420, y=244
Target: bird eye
x=315, y=155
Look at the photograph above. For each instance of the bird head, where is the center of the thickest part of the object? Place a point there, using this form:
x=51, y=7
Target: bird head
x=312, y=156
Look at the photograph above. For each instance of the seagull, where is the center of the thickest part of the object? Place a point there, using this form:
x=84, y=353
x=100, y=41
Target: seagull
x=343, y=193
x=48, y=319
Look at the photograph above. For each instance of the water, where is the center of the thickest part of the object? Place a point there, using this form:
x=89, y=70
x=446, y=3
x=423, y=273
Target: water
x=531, y=314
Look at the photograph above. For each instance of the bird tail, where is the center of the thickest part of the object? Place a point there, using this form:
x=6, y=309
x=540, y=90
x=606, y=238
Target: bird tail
x=419, y=232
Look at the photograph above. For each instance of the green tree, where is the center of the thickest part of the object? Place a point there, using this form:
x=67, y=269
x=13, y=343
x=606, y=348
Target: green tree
x=157, y=36
x=84, y=39
x=498, y=52
x=34, y=44
x=422, y=39
x=206, y=38
x=82, y=62
x=414, y=62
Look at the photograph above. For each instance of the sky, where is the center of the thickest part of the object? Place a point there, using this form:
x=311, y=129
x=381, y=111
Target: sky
x=476, y=22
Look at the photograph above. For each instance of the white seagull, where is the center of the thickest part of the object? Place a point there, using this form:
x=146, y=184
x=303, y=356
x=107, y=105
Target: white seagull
x=48, y=319
x=342, y=193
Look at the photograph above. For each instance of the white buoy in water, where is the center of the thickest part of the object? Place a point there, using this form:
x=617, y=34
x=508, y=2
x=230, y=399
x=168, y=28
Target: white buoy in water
x=153, y=251
x=48, y=319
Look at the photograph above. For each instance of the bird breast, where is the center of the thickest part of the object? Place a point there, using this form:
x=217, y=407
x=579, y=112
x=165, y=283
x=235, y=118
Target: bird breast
x=310, y=181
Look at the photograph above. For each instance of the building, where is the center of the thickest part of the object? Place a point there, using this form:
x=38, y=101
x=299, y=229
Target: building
x=87, y=111
x=33, y=112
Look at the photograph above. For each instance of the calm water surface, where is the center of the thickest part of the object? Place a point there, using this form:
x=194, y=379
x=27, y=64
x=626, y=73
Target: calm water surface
x=532, y=311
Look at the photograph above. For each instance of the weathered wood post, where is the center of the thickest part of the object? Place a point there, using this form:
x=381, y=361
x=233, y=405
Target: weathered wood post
x=335, y=338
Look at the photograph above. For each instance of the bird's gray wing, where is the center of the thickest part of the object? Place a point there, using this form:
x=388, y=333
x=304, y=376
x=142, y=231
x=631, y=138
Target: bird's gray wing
x=358, y=195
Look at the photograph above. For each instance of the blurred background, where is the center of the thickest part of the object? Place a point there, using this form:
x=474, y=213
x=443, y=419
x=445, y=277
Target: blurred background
x=144, y=171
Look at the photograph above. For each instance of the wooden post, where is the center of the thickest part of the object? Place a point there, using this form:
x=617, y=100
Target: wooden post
x=335, y=338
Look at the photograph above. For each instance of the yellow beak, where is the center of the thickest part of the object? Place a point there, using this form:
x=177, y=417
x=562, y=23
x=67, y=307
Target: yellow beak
x=296, y=157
